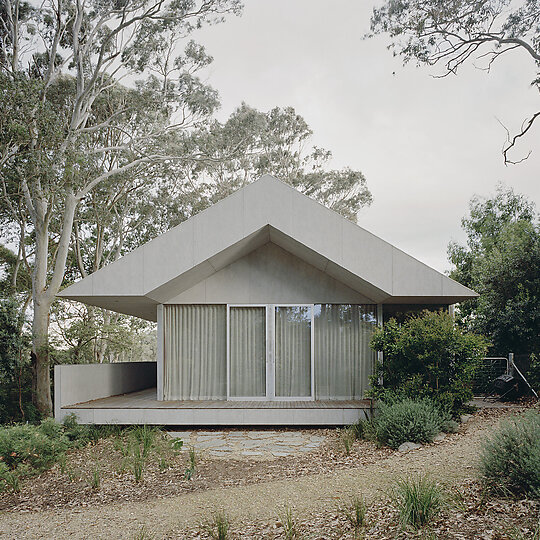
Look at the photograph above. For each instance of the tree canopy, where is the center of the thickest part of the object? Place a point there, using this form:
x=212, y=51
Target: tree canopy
x=501, y=261
x=460, y=31
x=108, y=138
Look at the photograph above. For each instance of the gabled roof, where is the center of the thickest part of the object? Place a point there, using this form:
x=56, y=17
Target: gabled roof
x=267, y=210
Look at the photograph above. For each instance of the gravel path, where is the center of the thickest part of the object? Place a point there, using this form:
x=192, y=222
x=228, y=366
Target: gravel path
x=452, y=461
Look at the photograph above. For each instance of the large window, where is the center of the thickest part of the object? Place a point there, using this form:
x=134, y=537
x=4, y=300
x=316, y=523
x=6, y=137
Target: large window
x=343, y=358
x=315, y=351
x=195, y=352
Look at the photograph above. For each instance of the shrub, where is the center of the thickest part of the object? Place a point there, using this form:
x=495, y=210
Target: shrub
x=407, y=420
x=418, y=500
x=510, y=459
x=427, y=356
x=36, y=447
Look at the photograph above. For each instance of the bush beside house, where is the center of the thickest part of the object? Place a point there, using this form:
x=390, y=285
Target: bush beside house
x=427, y=357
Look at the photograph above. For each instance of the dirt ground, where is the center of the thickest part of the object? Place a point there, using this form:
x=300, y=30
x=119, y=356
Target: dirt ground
x=254, y=493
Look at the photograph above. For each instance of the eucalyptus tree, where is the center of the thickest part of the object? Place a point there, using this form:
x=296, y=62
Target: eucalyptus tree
x=59, y=142
x=452, y=33
x=251, y=143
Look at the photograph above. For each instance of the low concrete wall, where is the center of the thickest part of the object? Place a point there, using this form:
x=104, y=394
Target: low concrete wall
x=84, y=382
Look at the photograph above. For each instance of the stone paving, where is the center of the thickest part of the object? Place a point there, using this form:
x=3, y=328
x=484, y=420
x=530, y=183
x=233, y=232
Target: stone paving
x=250, y=444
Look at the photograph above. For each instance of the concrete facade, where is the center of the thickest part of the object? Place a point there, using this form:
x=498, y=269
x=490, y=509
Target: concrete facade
x=270, y=275
x=85, y=382
x=264, y=244
x=266, y=211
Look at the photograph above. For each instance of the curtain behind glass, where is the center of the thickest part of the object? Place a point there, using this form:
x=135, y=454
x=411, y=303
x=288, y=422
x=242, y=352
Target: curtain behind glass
x=343, y=358
x=247, y=351
x=195, y=357
x=293, y=351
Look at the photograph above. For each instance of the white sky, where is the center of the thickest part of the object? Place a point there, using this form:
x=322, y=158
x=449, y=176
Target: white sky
x=425, y=145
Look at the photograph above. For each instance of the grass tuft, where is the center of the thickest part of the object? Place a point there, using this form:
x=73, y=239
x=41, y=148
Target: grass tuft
x=289, y=523
x=418, y=500
x=355, y=513
x=218, y=526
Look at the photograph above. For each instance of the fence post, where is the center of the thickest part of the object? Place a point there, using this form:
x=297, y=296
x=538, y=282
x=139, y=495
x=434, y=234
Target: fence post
x=510, y=364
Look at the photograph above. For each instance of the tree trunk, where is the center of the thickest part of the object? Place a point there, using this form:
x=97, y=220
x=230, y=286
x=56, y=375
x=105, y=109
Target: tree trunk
x=40, y=356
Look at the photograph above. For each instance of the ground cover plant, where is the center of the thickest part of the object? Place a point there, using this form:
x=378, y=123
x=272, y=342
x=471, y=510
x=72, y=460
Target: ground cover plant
x=510, y=458
x=26, y=450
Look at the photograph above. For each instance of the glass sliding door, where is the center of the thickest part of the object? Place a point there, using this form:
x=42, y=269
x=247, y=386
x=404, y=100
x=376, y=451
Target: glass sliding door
x=343, y=358
x=293, y=351
x=247, y=351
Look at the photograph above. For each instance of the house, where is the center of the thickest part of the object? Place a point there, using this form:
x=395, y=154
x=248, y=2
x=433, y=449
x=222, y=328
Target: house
x=265, y=305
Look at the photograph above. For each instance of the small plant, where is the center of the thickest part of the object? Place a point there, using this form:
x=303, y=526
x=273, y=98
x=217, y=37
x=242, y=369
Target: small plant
x=288, y=522
x=62, y=463
x=418, y=500
x=9, y=480
x=510, y=459
x=218, y=526
x=143, y=534
x=355, y=513
x=449, y=426
x=192, y=464
x=140, y=442
x=347, y=437
x=177, y=444
x=94, y=480
x=407, y=420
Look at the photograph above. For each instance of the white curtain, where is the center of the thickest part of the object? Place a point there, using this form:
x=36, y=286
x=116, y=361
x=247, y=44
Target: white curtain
x=293, y=351
x=343, y=358
x=195, y=352
x=247, y=351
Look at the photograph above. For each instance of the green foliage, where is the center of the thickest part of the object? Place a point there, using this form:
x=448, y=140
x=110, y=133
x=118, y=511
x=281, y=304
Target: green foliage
x=94, y=479
x=141, y=441
x=31, y=448
x=347, y=436
x=533, y=374
x=510, y=458
x=407, y=420
x=426, y=356
x=192, y=463
x=501, y=261
x=218, y=526
x=355, y=513
x=15, y=373
x=418, y=500
x=289, y=524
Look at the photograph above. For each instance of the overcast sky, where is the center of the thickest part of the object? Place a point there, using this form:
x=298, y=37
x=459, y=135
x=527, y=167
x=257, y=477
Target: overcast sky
x=425, y=145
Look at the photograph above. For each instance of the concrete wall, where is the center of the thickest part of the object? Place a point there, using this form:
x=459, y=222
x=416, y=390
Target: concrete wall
x=270, y=275
x=85, y=382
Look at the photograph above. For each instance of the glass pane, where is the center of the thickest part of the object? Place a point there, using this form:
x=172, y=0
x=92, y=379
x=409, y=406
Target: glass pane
x=293, y=351
x=195, y=351
x=247, y=352
x=343, y=358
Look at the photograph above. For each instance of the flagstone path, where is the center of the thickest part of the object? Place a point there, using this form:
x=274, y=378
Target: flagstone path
x=250, y=444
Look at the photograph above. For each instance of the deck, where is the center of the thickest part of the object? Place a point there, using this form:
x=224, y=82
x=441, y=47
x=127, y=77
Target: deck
x=142, y=407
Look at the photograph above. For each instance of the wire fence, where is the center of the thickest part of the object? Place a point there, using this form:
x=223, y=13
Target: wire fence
x=487, y=372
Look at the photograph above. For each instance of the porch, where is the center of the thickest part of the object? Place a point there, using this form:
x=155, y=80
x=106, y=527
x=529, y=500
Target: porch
x=142, y=407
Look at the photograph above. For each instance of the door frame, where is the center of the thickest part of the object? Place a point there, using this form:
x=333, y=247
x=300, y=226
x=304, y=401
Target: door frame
x=270, y=318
